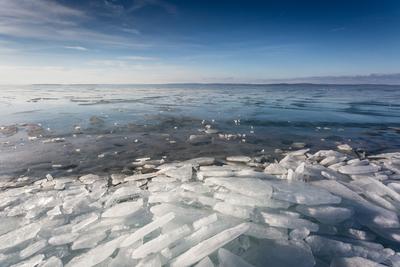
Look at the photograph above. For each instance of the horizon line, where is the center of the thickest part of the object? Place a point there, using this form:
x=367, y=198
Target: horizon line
x=202, y=83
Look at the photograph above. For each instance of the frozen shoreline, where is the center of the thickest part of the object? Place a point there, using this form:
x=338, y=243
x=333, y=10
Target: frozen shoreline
x=323, y=209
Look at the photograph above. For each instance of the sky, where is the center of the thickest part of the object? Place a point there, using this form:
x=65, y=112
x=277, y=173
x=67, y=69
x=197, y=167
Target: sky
x=210, y=41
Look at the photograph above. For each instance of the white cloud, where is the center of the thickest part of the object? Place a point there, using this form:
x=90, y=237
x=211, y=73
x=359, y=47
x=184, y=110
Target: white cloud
x=92, y=74
x=139, y=58
x=79, y=48
x=49, y=20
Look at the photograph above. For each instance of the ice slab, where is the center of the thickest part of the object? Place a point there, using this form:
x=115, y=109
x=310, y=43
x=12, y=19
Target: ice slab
x=228, y=259
x=205, y=221
x=261, y=231
x=183, y=173
x=123, y=209
x=326, y=214
x=361, y=169
x=232, y=210
x=196, y=237
x=302, y=193
x=96, y=255
x=275, y=169
x=63, y=239
x=285, y=221
x=243, y=200
x=245, y=186
x=206, y=262
x=299, y=234
x=32, y=249
x=148, y=228
x=51, y=262
x=280, y=253
x=208, y=246
x=242, y=159
x=19, y=235
x=151, y=261
x=354, y=262
x=88, y=240
x=160, y=242
x=33, y=261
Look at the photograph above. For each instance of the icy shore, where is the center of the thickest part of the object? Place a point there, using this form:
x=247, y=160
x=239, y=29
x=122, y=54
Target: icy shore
x=323, y=209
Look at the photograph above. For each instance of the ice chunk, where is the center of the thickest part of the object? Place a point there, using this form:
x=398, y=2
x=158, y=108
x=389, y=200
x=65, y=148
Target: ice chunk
x=183, y=214
x=326, y=247
x=122, y=194
x=32, y=249
x=280, y=253
x=236, y=211
x=285, y=221
x=299, y=152
x=33, y=261
x=358, y=234
x=117, y=178
x=246, y=186
x=302, y=193
x=203, y=161
x=208, y=246
x=164, y=197
x=333, y=175
x=299, y=234
x=19, y=235
x=88, y=240
x=160, y=242
x=243, y=159
x=183, y=173
x=276, y=169
x=138, y=177
x=148, y=228
x=326, y=214
x=151, y=261
x=96, y=255
x=199, y=188
x=89, y=178
x=242, y=200
x=362, y=169
x=344, y=147
x=205, y=221
x=371, y=184
x=51, y=262
x=199, y=139
x=123, y=209
x=332, y=160
x=354, y=262
x=228, y=259
x=265, y=232
x=290, y=162
x=54, y=211
x=365, y=212
x=8, y=224
x=206, y=262
x=63, y=239
x=85, y=222
x=198, y=236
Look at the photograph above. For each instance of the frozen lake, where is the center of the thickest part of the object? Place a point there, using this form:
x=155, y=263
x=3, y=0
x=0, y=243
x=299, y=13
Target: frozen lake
x=198, y=175
x=105, y=126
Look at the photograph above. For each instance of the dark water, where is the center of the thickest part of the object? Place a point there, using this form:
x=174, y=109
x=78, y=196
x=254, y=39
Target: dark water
x=124, y=122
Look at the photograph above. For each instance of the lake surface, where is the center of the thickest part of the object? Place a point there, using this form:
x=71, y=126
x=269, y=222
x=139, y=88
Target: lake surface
x=101, y=128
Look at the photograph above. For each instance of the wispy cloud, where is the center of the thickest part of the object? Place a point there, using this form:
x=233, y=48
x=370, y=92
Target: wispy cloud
x=79, y=48
x=139, y=4
x=49, y=20
x=139, y=58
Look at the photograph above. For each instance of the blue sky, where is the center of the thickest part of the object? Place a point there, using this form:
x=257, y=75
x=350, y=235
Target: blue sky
x=156, y=41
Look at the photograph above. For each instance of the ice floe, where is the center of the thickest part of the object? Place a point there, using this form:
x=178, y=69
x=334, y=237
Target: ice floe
x=308, y=209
